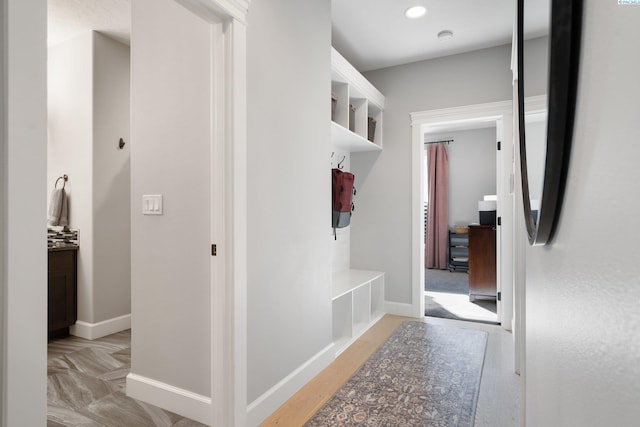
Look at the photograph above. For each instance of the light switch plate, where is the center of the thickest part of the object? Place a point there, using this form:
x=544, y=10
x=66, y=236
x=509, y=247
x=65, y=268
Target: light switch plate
x=152, y=204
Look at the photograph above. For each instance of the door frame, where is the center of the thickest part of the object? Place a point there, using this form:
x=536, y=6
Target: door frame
x=24, y=165
x=502, y=114
x=228, y=304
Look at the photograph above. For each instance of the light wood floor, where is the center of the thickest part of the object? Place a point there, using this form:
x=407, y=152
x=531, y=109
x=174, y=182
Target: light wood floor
x=498, y=399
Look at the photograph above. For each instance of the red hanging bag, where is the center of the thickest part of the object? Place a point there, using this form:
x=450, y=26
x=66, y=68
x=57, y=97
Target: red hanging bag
x=342, y=198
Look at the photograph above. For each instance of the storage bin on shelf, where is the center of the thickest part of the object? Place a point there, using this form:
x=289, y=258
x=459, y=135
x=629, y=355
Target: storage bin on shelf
x=371, y=131
x=352, y=117
x=334, y=103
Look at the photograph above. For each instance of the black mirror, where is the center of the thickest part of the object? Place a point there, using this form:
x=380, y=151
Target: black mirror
x=564, y=32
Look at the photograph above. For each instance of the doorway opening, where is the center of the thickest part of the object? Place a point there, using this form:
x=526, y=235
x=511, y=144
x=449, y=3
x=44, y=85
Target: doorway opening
x=217, y=45
x=456, y=183
x=441, y=122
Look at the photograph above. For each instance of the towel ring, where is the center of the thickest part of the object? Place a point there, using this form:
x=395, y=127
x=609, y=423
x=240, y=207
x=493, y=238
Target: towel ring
x=64, y=179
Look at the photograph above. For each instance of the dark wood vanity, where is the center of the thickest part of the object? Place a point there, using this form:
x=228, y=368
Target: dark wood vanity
x=63, y=289
x=482, y=261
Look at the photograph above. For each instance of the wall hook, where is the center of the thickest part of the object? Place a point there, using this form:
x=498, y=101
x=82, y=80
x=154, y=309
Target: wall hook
x=64, y=179
x=121, y=144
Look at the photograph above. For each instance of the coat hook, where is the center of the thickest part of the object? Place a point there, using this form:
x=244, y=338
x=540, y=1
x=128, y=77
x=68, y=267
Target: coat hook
x=64, y=179
x=340, y=166
x=121, y=144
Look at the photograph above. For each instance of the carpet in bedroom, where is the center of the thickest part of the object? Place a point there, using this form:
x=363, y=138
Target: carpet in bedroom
x=447, y=296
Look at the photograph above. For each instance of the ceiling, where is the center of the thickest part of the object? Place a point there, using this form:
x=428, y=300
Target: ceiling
x=70, y=18
x=370, y=34
x=373, y=34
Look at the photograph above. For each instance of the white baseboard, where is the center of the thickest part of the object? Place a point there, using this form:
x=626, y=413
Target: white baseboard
x=174, y=399
x=399, y=309
x=92, y=331
x=273, y=398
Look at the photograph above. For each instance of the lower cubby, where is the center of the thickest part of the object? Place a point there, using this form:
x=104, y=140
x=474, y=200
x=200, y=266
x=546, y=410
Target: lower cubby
x=342, y=323
x=361, y=309
x=377, y=298
x=357, y=304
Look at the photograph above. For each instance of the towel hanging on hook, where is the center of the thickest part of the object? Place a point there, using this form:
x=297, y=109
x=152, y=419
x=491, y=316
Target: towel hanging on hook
x=58, y=211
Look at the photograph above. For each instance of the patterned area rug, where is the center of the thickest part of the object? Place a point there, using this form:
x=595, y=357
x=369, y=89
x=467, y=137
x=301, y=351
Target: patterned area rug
x=423, y=375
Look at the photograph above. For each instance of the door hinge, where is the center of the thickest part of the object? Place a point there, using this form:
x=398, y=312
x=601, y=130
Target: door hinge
x=214, y=250
x=499, y=296
x=499, y=146
x=499, y=220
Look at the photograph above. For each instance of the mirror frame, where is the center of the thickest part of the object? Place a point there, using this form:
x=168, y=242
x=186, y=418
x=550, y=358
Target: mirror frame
x=564, y=55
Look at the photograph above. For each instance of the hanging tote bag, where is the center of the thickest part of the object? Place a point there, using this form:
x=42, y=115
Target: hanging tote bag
x=342, y=198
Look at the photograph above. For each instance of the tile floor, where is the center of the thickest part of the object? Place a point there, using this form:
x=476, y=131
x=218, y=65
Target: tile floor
x=86, y=386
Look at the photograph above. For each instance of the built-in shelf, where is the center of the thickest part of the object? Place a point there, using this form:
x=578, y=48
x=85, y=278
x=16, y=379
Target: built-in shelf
x=358, y=102
x=358, y=303
x=349, y=141
x=348, y=280
x=357, y=295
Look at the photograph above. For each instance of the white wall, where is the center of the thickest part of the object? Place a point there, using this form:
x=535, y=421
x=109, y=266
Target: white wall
x=289, y=188
x=111, y=179
x=536, y=150
x=70, y=148
x=583, y=323
x=170, y=155
x=472, y=172
x=426, y=85
x=88, y=111
x=536, y=66
x=22, y=213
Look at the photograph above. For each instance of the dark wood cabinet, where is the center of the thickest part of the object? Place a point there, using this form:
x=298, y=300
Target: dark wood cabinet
x=62, y=295
x=482, y=261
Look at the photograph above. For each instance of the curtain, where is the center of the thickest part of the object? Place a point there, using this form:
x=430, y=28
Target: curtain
x=436, y=240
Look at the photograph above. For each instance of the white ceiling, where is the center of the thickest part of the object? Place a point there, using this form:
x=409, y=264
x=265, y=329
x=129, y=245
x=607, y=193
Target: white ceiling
x=374, y=34
x=69, y=18
x=370, y=34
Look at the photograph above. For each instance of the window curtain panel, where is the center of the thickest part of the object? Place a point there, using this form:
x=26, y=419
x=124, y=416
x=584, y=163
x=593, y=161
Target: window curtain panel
x=436, y=240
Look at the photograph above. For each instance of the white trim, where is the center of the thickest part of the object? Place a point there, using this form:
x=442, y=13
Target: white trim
x=228, y=303
x=401, y=309
x=272, y=399
x=460, y=114
x=92, y=331
x=417, y=226
x=214, y=10
x=535, y=104
x=237, y=224
x=174, y=399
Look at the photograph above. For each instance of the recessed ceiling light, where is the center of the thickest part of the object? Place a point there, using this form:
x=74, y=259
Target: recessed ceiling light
x=445, y=35
x=415, y=12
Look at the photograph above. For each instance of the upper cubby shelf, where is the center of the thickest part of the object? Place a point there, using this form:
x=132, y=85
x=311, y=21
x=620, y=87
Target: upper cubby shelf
x=357, y=108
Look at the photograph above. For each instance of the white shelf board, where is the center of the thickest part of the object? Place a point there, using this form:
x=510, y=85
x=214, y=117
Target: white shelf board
x=344, y=139
x=346, y=281
x=343, y=71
